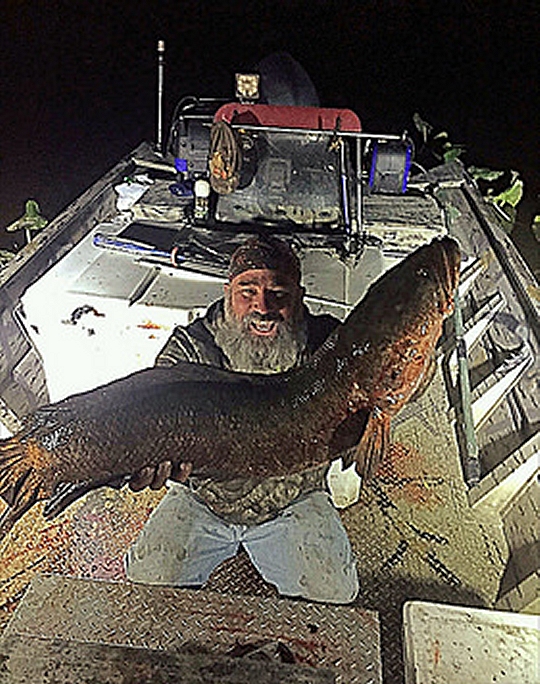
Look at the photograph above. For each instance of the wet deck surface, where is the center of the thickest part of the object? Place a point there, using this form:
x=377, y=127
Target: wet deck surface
x=344, y=640
x=40, y=661
x=413, y=532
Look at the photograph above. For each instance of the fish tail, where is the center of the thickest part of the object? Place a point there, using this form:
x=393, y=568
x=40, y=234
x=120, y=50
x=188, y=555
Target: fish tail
x=373, y=445
x=12, y=463
x=19, y=483
x=22, y=496
x=11, y=449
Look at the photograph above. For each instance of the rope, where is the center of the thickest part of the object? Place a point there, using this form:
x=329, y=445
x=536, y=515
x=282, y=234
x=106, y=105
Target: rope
x=225, y=158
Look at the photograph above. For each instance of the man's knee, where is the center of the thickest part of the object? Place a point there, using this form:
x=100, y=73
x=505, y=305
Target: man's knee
x=158, y=554
x=316, y=561
x=149, y=564
x=181, y=544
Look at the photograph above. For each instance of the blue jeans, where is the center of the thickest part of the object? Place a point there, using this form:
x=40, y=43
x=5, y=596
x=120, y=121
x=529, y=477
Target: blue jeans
x=304, y=551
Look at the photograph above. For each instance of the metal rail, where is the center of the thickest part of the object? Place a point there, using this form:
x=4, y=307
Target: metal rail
x=319, y=131
x=471, y=466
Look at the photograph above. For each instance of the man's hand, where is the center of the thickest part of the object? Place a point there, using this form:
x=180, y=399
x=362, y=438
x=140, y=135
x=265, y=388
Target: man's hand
x=156, y=476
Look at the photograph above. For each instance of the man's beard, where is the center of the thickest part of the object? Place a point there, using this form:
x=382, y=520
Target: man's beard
x=251, y=354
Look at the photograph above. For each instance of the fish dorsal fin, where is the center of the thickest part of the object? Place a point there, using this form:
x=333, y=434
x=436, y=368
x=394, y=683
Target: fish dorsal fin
x=373, y=444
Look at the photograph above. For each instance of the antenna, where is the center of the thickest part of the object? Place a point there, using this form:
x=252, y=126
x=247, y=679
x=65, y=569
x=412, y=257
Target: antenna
x=159, y=122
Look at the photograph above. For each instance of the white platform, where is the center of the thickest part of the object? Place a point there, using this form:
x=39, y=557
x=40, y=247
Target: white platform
x=447, y=644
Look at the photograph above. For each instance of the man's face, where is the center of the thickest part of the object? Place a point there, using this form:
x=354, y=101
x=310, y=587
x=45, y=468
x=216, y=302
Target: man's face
x=263, y=299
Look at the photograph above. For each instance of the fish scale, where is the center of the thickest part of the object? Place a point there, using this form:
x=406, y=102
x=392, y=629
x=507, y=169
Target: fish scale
x=231, y=425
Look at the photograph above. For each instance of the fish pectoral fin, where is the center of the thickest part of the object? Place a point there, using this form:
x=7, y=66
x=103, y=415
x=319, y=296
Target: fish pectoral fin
x=8, y=495
x=373, y=444
x=66, y=493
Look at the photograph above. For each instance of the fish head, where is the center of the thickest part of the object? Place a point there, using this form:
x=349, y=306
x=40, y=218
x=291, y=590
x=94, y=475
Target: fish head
x=423, y=284
x=392, y=334
x=433, y=273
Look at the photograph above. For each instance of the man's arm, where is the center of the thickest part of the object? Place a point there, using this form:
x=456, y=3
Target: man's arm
x=194, y=343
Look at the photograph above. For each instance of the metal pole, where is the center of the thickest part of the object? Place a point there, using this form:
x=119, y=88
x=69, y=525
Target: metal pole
x=317, y=131
x=159, y=122
x=359, y=190
x=344, y=187
x=472, y=465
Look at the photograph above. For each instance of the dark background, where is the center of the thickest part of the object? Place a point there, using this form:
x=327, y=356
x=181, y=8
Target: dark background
x=77, y=79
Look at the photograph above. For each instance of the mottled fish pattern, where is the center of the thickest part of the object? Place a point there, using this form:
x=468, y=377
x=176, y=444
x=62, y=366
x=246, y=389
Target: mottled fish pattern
x=233, y=425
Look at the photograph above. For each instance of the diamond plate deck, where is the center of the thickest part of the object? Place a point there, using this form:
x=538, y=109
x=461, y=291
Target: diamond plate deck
x=345, y=639
x=413, y=532
x=32, y=660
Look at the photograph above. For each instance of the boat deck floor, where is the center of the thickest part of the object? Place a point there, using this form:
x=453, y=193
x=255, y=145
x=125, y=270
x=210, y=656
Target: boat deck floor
x=413, y=532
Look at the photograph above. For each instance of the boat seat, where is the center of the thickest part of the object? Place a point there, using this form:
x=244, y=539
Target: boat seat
x=286, y=176
x=280, y=116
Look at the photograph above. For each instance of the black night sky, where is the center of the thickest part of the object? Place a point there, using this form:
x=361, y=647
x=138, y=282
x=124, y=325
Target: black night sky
x=77, y=78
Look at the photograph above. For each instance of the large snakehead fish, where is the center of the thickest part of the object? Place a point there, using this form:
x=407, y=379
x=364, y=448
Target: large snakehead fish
x=232, y=425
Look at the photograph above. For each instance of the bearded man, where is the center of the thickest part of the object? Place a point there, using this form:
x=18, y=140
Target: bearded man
x=287, y=525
